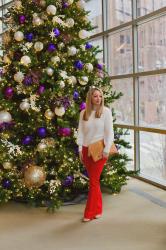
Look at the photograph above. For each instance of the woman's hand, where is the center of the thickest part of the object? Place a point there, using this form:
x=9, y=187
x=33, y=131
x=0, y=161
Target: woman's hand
x=81, y=156
x=105, y=155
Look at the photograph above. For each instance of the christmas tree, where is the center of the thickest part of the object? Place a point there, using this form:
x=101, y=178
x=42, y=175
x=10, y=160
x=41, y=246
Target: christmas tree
x=47, y=68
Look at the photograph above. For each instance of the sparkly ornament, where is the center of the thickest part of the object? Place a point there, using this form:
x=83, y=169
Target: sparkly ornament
x=51, y=47
x=78, y=65
x=83, y=34
x=56, y=32
x=75, y=95
x=70, y=22
x=34, y=176
x=42, y=132
x=89, y=67
x=72, y=51
x=6, y=183
x=38, y=46
x=41, y=89
x=25, y=105
x=18, y=36
x=5, y=116
x=25, y=60
x=81, y=4
x=49, y=71
x=68, y=181
x=29, y=37
x=27, y=140
x=55, y=59
x=22, y=19
x=41, y=146
x=59, y=111
x=49, y=114
x=7, y=165
x=64, y=132
x=83, y=80
x=51, y=10
x=82, y=105
x=8, y=92
x=18, y=77
x=88, y=45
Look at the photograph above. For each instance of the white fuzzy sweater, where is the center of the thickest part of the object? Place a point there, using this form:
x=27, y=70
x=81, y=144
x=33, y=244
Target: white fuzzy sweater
x=96, y=129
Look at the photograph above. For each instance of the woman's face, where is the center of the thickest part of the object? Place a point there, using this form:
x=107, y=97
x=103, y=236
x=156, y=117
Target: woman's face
x=96, y=98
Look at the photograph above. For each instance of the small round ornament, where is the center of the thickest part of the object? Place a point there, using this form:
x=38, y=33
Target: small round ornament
x=27, y=140
x=42, y=3
x=9, y=92
x=25, y=60
x=64, y=132
x=49, y=114
x=18, y=36
x=49, y=71
x=83, y=80
x=41, y=89
x=70, y=22
x=5, y=116
x=18, y=77
x=51, y=47
x=34, y=176
x=7, y=165
x=89, y=67
x=24, y=105
x=51, y=10
x=6, y=183
x=59, y=111
x=56, y=32
x=42, y=132
x=29, y=37
x=38, y=46
x=22, y=19
x=72, y=51
x=68, y=181
x=78, y=64
x=65, y=5
x=82, y=105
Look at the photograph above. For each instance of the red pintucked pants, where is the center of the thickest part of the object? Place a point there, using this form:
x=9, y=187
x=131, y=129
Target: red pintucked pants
x=94, y=169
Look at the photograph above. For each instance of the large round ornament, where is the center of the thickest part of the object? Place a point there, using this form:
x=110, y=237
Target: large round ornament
x=83, y=34
x=51, y=10
x=18, y=77
x=29, y=37
x=34, y=176
x=72, y=51
x=70, y=22
x=41, y=89
x=49, y=71
x=72, y=80
x=24, y=105
x=83, y=80
x=88, y=45
x=59, y=111
x=5, y=116
x=25, y=60
x=82, y=105
x=49, y=114
x=38, y=46
x=18, y=36
x=89, y=67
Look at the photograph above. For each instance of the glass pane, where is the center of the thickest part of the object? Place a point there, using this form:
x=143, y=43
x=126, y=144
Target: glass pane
x=119, y=12
x=152, y=106
x=98, y=42
x=124, y=106
x=144, y=7
x=95, y=6
x=152, y=45
x=121, y=52
x=129, y=137
x=153, y=156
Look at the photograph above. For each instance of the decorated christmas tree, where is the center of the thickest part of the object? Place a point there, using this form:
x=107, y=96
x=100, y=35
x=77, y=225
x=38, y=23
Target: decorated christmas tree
x=47, y=68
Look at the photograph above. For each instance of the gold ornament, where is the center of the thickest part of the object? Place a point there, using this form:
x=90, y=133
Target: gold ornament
x=6, y=38
x=7, y=165
x=49, y=114
x=34, y=176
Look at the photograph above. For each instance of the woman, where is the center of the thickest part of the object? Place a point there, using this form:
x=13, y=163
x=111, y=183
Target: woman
x=95, y=123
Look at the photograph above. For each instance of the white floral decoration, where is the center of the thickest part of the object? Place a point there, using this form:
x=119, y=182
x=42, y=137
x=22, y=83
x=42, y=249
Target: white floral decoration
x=13, y=150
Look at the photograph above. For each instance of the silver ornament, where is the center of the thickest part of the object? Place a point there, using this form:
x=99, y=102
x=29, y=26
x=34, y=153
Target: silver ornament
x=25, y=60
x=38, y=46
x=24, y=105
x=70, y=22
x=51, y=10
x=49, y=71
x=5, y=116
x=59, y=111
x=18, y=36
x=83, y=80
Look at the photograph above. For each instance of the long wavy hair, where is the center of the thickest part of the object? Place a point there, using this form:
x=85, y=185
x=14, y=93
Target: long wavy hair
x=89, y=105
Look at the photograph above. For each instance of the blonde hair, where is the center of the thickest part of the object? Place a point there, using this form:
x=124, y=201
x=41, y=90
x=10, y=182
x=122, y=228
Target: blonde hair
x=88, y=109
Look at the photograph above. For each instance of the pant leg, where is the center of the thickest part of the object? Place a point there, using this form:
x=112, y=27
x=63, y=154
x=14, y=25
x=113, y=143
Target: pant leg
x=94, y=169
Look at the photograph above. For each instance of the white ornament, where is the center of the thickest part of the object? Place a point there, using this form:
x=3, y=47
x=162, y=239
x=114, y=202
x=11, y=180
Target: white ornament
x=7, y=165
x=24, y=105
x=72, y=51
x=41, y=146
x=18, y=77
x=70, y=22
x=81, y=4
x=55, y=59
x=49, y=71
x=5, y=116
x=83, y=34
x=59, y=111
x=17, y=5
x=25, y=60
x=61, y=84
x=70, y=2
x=89, y=67
x=51, y=10
x=72, y=80
x=83, y=80
x=38, y=46
x=18, y=36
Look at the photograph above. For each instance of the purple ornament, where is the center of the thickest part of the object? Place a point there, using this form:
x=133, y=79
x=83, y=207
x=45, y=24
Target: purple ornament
x=68, y=181
x=8, y=92
x=56, y=32
x=51, y=47
x=22, y=19
x=6, y=183
x=27, y=80
x=82, y=105
x=78, y=65
x=65, y=5
x=41, y=89
x=99, y=66
x=27, y=140
x=42, y=132
x=88, y=45
x=29, y=37
x=64, y=131
x=75, y=95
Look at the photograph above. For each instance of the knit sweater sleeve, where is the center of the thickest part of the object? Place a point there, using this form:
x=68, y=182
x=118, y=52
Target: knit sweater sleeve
x=80, y=132
x=108, y=130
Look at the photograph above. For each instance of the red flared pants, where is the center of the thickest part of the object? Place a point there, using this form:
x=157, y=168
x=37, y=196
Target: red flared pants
x=94, y=169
